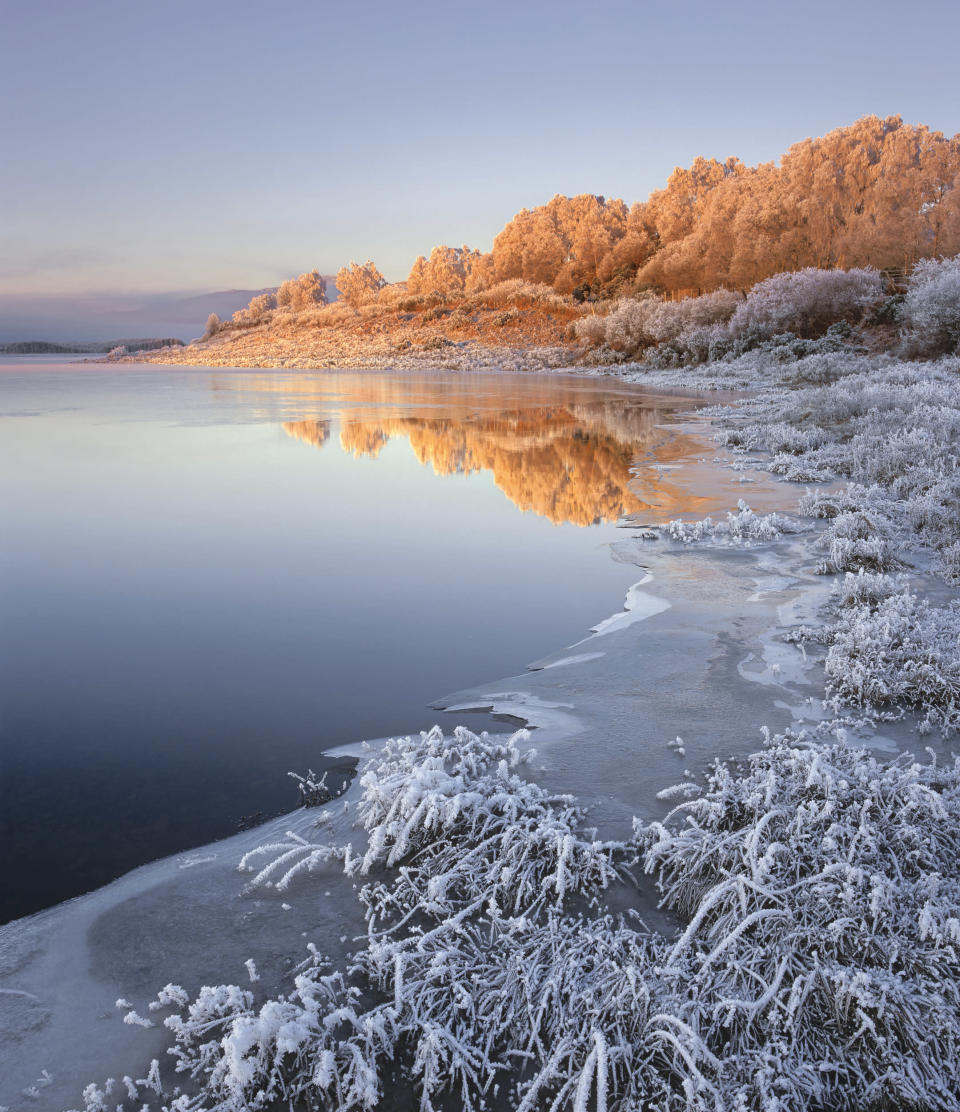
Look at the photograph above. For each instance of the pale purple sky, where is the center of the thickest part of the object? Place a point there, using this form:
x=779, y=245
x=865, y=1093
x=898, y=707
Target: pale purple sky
x=210, y=144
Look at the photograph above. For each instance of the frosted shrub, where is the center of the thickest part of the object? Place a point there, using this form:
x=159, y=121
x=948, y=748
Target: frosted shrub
x=807, y=302
x=629, y=325
x=707, y=345
x=638, y=323
x=693, y=314
x=701, y=345
x=930, y=313
x=518, y=294
x=591, y=330
x=626, y=330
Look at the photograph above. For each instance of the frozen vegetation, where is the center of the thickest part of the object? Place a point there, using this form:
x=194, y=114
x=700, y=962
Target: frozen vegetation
x=816, y=885
x=742, y=525
x=888, y=649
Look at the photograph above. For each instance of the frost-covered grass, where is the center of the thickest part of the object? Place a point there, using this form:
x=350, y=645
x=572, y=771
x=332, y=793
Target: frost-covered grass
x=818, y=965
x=887, y=650
x=885, y=434
x=820, y=958
x=891, y=430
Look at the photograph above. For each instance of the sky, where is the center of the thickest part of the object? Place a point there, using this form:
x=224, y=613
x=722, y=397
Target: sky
x=208, y=145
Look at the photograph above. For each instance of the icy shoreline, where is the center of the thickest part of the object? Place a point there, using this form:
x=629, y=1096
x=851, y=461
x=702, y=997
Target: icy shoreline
x=717, y=648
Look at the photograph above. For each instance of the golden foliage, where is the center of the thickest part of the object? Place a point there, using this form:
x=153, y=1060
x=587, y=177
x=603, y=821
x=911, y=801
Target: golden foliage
x=878, y=193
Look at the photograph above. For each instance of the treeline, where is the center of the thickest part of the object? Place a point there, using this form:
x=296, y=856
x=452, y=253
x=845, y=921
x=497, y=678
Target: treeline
x=879, y=193
x=86, y=347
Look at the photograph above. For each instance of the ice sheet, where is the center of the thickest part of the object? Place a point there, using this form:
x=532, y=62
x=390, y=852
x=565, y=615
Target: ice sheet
x=637, y=606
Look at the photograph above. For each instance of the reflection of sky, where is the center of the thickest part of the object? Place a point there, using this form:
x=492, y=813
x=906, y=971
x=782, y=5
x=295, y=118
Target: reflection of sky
x=193, y=602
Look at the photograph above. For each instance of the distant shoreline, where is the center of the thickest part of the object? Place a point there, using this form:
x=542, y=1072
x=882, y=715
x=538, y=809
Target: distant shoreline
x=87, y=347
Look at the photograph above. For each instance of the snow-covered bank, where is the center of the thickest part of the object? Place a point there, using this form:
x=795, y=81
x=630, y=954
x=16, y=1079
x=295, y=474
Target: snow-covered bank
x=809, y=954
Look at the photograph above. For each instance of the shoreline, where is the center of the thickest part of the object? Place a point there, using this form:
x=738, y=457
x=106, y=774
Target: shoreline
x=728, y=607
x=458, y=357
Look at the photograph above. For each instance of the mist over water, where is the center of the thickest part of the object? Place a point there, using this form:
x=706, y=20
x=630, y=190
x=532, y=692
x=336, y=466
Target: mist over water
x=207, y=578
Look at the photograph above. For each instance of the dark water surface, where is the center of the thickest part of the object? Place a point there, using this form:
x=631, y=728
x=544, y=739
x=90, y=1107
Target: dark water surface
x=208, y=577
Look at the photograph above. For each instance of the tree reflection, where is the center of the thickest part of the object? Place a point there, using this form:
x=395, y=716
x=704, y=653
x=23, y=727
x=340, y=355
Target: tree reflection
x=570, y=463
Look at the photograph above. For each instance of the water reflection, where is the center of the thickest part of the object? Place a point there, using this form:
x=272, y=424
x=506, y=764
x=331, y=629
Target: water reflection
x=316, y=433
x=573, y=464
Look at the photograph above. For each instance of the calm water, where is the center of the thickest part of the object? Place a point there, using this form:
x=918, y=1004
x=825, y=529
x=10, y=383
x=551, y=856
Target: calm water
x=208, y=577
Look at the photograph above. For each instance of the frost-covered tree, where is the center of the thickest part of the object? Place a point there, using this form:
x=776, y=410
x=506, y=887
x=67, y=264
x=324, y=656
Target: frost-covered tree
x=358, y=283
x=877, y=193
x=446, y=271
x=305, y=292
x=257, y=309
x=560, y=243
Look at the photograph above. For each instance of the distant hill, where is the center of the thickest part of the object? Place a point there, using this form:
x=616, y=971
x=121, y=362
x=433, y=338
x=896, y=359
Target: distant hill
x=85, y=347
x=69, y=319
x=195, y=309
